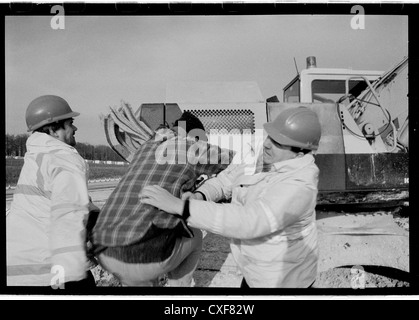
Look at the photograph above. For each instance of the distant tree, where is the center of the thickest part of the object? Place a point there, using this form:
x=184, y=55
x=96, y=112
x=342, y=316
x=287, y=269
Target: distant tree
x=8, y=145
x=16, y=146
x=21, y=144
x=85, y=150
x=99, y=152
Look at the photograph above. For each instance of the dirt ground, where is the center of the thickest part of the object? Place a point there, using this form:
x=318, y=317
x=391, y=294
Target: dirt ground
x=347, y=278
x=103, y=278
x=366, y=276
x=217, y=269
x=341, y=277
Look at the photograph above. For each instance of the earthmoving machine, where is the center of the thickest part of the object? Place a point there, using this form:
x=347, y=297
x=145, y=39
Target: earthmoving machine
x=364, y=150
x=363, y=153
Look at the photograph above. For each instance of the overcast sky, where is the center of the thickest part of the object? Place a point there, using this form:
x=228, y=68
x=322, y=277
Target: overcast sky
x=97, y=61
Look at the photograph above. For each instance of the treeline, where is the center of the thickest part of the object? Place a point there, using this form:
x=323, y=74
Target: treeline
x=100, y=152
x=16, y=147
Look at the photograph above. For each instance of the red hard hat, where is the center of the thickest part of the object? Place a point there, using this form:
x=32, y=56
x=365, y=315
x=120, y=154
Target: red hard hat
x=295, y=127
x=47, y=109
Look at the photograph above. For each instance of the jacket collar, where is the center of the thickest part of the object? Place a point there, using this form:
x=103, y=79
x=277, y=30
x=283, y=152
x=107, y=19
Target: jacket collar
x=293, y=164
x=284, y=167
x=42, y=142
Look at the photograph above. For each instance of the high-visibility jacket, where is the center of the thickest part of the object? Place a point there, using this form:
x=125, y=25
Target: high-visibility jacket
x=271, y=219
x=45, y=226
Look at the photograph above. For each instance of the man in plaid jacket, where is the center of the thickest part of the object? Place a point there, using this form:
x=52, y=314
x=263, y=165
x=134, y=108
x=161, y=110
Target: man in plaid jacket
x=138, y=243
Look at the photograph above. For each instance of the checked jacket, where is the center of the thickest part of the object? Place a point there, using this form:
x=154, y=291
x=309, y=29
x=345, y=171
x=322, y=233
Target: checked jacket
x=170, y=161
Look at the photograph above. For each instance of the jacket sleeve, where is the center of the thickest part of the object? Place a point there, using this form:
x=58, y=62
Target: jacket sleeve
x=244, y=162
x=210, y=159
x=69, y=207
x=220, y=187
x=281, y=206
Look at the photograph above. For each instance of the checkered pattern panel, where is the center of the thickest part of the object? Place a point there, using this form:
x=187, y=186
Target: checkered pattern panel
x=228, y=119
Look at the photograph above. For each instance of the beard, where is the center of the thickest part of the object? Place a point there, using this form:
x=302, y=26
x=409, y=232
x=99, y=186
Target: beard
x=72, y=141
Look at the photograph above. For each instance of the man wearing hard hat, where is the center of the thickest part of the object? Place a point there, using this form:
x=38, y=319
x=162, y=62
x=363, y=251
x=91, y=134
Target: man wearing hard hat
x=46, y=223
x=271, y=217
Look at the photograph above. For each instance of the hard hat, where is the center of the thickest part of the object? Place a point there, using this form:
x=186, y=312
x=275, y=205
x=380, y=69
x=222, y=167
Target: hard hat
x=295, y=127
x=47, y=109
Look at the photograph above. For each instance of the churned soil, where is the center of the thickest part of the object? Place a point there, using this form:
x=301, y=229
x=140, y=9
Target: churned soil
x=341, y=277
x=373, y=276
x=344, y=278
x=104, y=278
x=332, y=278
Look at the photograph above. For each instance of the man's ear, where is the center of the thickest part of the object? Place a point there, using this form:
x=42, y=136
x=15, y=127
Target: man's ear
x=52, y=133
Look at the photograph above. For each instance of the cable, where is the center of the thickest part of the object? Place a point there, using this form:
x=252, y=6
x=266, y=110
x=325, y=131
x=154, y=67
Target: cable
x=362, y=136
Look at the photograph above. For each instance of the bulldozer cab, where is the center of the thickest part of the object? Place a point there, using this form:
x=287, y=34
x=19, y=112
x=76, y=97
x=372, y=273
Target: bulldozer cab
x=321, y=85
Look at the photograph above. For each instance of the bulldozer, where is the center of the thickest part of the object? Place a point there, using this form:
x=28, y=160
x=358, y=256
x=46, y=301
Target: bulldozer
x=363, y=153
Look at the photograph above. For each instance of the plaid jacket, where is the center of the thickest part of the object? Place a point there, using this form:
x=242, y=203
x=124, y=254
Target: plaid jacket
x=167, y=160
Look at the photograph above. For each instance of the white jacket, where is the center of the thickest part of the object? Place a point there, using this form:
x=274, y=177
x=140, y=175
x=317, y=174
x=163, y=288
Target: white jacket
x=45, y=226
x=271, y=220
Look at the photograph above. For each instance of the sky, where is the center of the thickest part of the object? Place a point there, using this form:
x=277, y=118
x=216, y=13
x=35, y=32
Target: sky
x=97, y=61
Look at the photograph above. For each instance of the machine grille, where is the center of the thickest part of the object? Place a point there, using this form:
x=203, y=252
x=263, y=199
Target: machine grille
x=228, y=119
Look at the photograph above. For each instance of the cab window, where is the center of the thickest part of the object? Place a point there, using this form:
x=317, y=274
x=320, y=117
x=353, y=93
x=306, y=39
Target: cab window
x=329, y=91
x=292, y=93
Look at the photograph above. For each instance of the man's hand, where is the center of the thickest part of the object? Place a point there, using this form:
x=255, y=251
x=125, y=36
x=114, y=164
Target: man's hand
x=189, y=196
x=162, y=199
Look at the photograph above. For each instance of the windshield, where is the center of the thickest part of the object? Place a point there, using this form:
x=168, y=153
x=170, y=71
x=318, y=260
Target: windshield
x=292, y=93
x=331, y=90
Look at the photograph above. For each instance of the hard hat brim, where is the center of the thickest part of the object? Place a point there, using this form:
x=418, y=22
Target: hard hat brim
x=54, y=119
x=274, y=133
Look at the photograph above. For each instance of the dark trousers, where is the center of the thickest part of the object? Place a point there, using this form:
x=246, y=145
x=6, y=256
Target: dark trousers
x=87, y=283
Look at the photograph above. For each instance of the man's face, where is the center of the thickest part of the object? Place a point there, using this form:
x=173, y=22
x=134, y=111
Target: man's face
x=66, y=135
x=274, y=152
